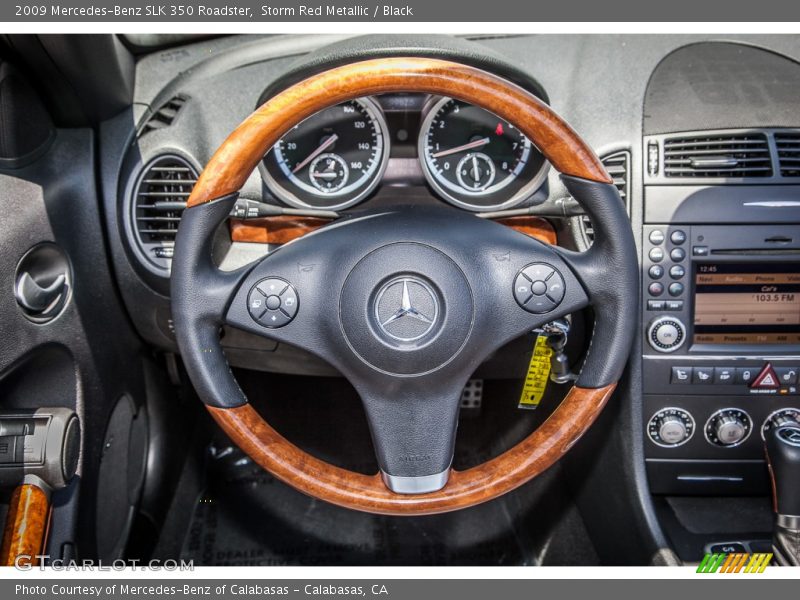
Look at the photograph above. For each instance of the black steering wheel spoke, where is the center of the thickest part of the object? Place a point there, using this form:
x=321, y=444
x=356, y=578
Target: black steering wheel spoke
x=413, y=424
x=520, y=284
x=200, y=294
x=292, y=294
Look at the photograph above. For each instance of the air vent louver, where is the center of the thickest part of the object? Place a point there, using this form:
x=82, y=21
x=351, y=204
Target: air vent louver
x=165, y=115
x=158, y=203
x=728, y=156
x=617, y=165
x=788, y=145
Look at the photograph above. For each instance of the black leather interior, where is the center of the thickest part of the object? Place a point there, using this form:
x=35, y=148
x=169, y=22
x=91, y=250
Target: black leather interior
x=609, y=272
x=200, y=295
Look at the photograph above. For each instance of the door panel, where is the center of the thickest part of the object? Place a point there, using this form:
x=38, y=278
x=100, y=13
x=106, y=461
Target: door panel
x=88, y=357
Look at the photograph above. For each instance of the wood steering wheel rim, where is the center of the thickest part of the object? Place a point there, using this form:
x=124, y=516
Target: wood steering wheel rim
x=239, y=155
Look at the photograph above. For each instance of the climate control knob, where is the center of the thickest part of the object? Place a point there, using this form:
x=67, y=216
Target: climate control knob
x=670, y=427
x=784, y=416
x=728, y=427
x=666, y=334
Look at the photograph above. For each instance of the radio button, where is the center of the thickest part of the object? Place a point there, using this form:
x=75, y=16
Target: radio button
x=677, y=271
x=655, y=289
x=555, y=288
x=700, y=250
x=539, y=288
x=272, y=302
x=656, y=255
x=681, y=375
x=727, y=548
x=728, y=427
x=540, y=305
x=670, y=427
x=657, y=237
x=744, y=375
x=678, y=237
x=673, y=305
x=655, y=305
x=656, y=272
x=672, y=430
x=666, y=334
x=766, y=379
x=786, y=375
x=538, y=272
x=724, y=375
x=703, y=375
x=675, y=289
x=677, y=254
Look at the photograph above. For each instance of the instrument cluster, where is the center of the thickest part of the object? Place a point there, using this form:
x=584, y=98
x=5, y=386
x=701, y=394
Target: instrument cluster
x=467, y=155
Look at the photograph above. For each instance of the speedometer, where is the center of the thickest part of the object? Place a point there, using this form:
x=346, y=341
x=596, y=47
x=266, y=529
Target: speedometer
x=333, y=159
x=476, y=160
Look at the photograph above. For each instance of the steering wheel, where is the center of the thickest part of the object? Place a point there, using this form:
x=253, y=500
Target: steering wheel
x=406, y=303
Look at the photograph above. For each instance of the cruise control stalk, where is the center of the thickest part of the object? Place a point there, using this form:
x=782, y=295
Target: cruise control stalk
x=246, y=208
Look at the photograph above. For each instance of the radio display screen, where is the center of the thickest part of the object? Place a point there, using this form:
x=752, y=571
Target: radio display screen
x=747, y=303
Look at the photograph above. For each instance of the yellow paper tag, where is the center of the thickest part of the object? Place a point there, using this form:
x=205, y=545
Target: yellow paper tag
x=538, y=375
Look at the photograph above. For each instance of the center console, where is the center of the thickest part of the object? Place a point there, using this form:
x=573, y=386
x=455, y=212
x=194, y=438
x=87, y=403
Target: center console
x=721, y=352
x=720, y=291
x=721, y=332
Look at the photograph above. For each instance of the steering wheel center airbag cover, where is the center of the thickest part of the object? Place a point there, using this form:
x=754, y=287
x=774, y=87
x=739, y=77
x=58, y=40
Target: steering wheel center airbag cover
x=406, y=309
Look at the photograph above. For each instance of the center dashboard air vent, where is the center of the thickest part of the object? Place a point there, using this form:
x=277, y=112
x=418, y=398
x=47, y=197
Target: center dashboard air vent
x=157, y=203
x=788, y=146
x=744, y=155
x=618, y=166
x=766, y=156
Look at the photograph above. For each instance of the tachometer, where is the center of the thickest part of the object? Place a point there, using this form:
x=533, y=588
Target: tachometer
x=476, y=160
x=333, y=159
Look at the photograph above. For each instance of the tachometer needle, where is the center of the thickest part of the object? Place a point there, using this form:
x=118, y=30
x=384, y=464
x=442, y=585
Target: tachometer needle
x=316, y=152
x=470, y=146
x=476, y=172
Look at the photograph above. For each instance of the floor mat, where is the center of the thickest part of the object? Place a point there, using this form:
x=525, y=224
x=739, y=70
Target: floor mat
x=246, y=517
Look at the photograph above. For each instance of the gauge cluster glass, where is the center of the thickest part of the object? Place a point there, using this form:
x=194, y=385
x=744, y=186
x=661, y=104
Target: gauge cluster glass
x=333, y=159
x=476, y=160
x=470, y=157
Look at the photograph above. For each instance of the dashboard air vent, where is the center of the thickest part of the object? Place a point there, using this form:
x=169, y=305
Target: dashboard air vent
x=618, y=166
x=788, y=145
x=730, y=156
x=159, y=200
x=165, y=115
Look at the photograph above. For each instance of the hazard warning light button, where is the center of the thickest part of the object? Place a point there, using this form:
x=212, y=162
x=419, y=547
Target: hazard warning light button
x=767, y=379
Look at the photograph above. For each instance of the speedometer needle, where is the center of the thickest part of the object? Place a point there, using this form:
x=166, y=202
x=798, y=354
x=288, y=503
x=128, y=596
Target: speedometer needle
x=470, y=146
x=316, y=153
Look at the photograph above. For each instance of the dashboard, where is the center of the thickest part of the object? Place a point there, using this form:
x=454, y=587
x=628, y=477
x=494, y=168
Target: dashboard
x=700, y=134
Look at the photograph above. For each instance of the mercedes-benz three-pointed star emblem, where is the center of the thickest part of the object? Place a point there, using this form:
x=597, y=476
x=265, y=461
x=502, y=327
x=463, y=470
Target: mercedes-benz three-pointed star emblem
x=406, y=309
